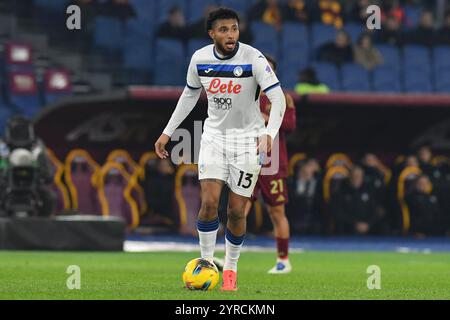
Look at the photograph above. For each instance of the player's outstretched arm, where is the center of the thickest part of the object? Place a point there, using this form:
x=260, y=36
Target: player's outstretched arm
x=278, y=101
x=185, y=104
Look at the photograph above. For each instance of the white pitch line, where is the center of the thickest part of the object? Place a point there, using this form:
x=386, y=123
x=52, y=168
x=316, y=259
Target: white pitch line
x=154, y=246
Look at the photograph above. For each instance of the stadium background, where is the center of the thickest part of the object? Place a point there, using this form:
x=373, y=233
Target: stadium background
x=100, y=97
x=102, y=94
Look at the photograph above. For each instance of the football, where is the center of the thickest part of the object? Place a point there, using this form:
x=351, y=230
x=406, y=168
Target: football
x=200, y=274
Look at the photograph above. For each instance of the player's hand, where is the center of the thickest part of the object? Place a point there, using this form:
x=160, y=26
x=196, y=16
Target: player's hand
x=289, y=101
x=266, y=118
x=160, y=146
x=264, y=144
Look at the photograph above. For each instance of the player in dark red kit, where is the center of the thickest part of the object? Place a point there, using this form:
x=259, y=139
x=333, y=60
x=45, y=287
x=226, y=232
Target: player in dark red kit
x=273, y=188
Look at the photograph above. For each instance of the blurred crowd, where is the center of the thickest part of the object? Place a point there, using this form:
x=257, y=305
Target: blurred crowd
x=341, y=197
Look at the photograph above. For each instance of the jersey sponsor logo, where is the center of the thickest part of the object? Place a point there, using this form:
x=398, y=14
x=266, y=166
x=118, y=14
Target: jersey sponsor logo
x=223, y=103
x=217, y=86
x=209, y=70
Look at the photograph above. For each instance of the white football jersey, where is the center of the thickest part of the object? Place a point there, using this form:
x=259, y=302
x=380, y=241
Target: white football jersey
x=233, y=86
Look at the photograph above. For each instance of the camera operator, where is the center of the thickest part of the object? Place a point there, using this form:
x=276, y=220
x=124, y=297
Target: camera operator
x=24, y=149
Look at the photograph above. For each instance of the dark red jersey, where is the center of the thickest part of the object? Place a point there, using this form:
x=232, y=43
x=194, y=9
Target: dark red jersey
x=288, y=125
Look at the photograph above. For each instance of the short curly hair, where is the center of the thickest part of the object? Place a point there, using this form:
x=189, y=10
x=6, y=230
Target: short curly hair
x=221, y=13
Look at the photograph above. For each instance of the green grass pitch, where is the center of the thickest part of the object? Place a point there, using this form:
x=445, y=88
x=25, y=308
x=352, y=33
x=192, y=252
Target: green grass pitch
x=316, y=275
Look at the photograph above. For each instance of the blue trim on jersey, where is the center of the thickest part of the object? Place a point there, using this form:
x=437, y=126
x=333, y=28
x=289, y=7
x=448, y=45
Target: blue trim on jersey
x=223, y=67
x=193, y=88
x=271, y=87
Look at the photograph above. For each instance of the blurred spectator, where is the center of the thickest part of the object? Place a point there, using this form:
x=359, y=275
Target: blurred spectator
x=358, y=11
x=354, y=207
x=411, y=161
x=159, y=187
x=390, y=33
x=393, y=9
x=268, y=11
x=443, y=34
x=308, y=83
x=338, y=52
x=374, y=176
x=424, y=33
x=366, y=54
x=328, y=12
x=425, y=155
x=175, y=26
x=304, y=205
x=121, y=9
x=197, y=29
x=424, y=209
x=295, y=11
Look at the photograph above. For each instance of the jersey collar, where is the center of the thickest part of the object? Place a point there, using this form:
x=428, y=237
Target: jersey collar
x=229, y=56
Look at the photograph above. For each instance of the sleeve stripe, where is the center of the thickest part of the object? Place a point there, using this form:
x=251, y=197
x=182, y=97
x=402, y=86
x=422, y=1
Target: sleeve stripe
x=193, y=88
x=271, y=87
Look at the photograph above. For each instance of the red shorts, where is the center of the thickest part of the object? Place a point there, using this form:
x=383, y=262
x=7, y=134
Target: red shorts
x=273, y=190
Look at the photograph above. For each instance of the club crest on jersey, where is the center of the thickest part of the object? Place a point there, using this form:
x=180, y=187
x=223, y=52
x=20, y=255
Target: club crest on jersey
x=268, y=69
x=238, y=71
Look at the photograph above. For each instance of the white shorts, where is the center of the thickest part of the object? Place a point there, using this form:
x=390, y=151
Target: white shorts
x=232, y=161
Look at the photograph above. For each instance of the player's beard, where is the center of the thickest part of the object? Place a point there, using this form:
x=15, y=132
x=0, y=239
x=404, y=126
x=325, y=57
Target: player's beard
x=224, y=51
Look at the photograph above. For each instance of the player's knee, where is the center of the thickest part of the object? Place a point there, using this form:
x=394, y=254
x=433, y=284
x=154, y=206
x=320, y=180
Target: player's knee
x=277, y=213
x=209, y=208
x=236, y=214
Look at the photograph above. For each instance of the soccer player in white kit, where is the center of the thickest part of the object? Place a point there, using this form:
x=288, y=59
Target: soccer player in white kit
x=234, y=135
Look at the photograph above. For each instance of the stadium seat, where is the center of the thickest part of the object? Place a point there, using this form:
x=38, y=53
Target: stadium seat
x=80, y=172
x=114, y=194
x=170, y=66
x=295, y=52
x=391, y=55
x=328, y=74
x=265, y=38
x=333, y=180
x=354, y=30
x=355, y=78
x=124, y=158
x=24, y=93
x=339, y=160
x=147, y=162
x=164, y=7
x=56, y=85
x=196, y=9
x=195, y=44
x=294, y=161
x=145, y=10
x=417, y=80
x=441, y=56
x=442, y=80
x=58, y=186
x=291, y=64
x=405, y=183
x=238, y=5
x=187, y=192
x=294, y=36
x=108, y=33
x=321, y=34
x=53, y=5
x=386, y=79
x=415, y=55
